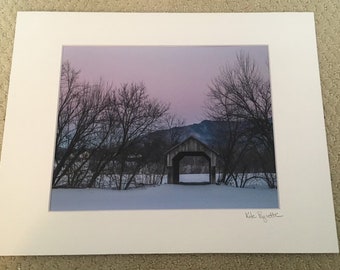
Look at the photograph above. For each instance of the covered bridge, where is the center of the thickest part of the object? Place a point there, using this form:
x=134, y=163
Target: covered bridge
x=190, y=147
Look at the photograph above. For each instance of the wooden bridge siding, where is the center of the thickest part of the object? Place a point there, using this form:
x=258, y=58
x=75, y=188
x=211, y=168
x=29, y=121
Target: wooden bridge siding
x=191, y=146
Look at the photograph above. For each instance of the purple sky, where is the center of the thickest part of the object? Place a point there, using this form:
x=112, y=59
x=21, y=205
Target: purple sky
x=176, y=74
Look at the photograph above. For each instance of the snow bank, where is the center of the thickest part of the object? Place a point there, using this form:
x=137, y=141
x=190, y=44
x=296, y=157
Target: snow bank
x=164, y=197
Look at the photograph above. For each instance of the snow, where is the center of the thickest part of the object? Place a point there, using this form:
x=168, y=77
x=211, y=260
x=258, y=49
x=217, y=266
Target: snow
x=164, y=196
x=197, y=178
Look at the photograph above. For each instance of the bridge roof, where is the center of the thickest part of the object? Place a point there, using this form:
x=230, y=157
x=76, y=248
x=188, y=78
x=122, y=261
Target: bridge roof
x=186, y=141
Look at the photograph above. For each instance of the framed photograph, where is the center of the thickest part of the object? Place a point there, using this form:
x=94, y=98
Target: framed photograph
x=165, y=133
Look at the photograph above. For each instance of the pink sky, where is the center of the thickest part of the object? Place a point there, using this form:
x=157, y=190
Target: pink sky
x=178, y=75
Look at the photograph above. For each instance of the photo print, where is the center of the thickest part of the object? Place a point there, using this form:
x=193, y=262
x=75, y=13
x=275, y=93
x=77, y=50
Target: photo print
x=164, y=127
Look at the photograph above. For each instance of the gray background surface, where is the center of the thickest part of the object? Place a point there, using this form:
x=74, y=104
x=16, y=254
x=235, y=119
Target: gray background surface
x=328, y=37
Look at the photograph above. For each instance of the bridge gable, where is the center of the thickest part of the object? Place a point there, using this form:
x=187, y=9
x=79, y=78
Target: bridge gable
x=191, y=145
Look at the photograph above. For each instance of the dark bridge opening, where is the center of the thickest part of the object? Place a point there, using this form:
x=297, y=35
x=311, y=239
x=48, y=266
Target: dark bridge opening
x=193, y=168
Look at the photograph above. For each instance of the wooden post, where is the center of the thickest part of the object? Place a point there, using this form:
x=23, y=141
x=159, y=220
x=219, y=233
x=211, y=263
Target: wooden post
x=170, y=175
x=213, y=175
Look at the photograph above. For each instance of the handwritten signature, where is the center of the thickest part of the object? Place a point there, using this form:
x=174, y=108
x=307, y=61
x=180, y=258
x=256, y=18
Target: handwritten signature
x=264, y=216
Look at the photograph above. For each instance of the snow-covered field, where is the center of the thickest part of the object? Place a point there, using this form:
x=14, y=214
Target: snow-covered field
x=197, y=178
x=164, y=197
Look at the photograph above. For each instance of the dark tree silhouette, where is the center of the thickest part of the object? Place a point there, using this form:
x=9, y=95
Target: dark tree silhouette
x=80, y=108
x=240, y=98
x=137, y=115
x=99, y=131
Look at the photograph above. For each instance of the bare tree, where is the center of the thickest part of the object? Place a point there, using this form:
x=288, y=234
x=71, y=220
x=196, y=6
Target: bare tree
x=233, y=146
x=100, y=132
x=80, y=107
x=240, y=98
x=135, y=115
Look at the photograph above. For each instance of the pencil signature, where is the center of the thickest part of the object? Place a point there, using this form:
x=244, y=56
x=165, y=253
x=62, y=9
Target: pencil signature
x=264, y=216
